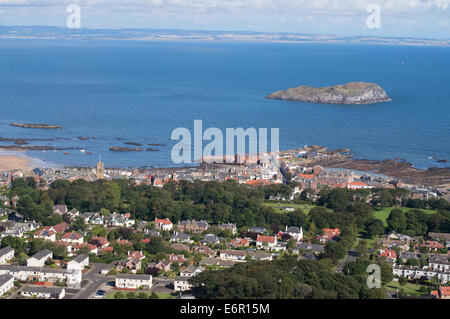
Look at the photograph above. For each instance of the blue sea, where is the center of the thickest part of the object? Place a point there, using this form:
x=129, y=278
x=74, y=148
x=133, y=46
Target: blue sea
x=121, y=91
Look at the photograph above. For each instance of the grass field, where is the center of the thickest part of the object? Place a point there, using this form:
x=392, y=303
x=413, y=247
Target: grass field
x=409, y=288
x=278, y=205
x=161, y=295
x=383, y=214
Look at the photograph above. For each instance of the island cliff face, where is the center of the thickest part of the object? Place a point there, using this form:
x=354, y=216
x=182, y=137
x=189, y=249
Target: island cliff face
x=350, y=93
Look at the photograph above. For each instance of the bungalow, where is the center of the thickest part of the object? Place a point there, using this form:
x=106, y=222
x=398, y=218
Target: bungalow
x=6, y=283
x=210, y=239
x=163, y=224
x=6, y=254
x=239, y=242
x=259, y=255
x=233, y=254
x=47, y=234
x=100, y=242
x=43, y=292
x=191, y=271
x=180, y=237
x=205, y=250
x=60, y=228
x=73, y=238
x=265, y=241
x=163, y=265
x=328, y=235
x=314, y=248
x=388, y=254
x=128, y=281
x=258, y=230
x=134, y=264
x=136, y=255
x=177, y=258
x=59, y=209
x=92, y=248
x=79, y=262
x=73, y=213
x=39, y=259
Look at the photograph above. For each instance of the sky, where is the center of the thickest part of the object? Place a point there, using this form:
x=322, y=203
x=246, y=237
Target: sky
x=397, y=18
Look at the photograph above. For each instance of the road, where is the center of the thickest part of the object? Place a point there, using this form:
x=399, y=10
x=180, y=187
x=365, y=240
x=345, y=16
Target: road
x=93, y=281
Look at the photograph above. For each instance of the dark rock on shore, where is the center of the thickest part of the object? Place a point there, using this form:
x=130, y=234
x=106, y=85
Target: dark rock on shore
x=42, y=126
x=125, y=149
x=151, y=150
x=350, y=93
x=133, y=143
x=155, y=144
x=83, y=138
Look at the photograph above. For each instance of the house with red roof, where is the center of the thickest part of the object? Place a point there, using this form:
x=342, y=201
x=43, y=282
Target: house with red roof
x=388, y=254
x=136, y=255
x=265, y=241
x=100, y=242
x=92, y=248
x=73, y=238
x=442, y=293
x=328, y=234
x=46, y=233
x=239, y=242
x=163, y=224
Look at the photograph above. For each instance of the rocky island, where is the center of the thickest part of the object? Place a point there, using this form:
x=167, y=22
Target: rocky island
x=350, y=93
x=43, y=126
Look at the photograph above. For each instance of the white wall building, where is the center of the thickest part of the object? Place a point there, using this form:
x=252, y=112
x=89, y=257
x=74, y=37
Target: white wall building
x=6, y=254
x=129, y=281
x=38, y=259
x=6, y=283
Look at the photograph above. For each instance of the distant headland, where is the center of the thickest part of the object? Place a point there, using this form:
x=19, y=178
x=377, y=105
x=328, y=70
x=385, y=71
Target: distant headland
x=350, y=93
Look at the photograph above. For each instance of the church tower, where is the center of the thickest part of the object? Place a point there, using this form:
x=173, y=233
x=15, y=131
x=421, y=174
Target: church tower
x=100, y=169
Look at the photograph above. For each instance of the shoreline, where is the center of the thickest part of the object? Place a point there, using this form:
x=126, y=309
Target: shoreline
x=19, y=160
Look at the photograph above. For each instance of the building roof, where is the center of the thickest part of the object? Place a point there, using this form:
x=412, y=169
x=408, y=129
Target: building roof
x=42, y=254
x=5, y=251
x=5, y=278
x=42, y=289
x=267, y=239
x=134, y=276
x=80, y=258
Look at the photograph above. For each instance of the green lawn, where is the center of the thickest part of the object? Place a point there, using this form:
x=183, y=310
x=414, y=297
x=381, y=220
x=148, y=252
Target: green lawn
x=409, y=288
x=383, y=214
x=277, y=206
x=161, y=295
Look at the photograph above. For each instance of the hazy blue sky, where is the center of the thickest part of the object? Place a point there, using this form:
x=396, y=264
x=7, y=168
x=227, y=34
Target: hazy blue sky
x=415, y=18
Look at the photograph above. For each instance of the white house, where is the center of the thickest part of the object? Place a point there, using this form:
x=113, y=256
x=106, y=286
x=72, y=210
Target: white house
x=181, y=284
x=6, y=254
x=265, y=241
x=6, y=283
x=43, y=292
x=163, y=224
x=232, y=254
x=79, y=262
x=131, y=281
x=294, y=232
x=73, y=238
x=38, y=259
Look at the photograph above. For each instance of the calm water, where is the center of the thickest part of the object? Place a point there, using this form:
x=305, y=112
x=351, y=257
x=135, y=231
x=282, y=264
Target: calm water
x=142, y=91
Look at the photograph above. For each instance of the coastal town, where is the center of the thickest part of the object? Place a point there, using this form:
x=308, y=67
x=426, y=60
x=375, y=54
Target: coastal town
x=127, y=253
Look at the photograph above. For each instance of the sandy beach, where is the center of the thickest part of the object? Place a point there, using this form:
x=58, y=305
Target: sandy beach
x=11, y=160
